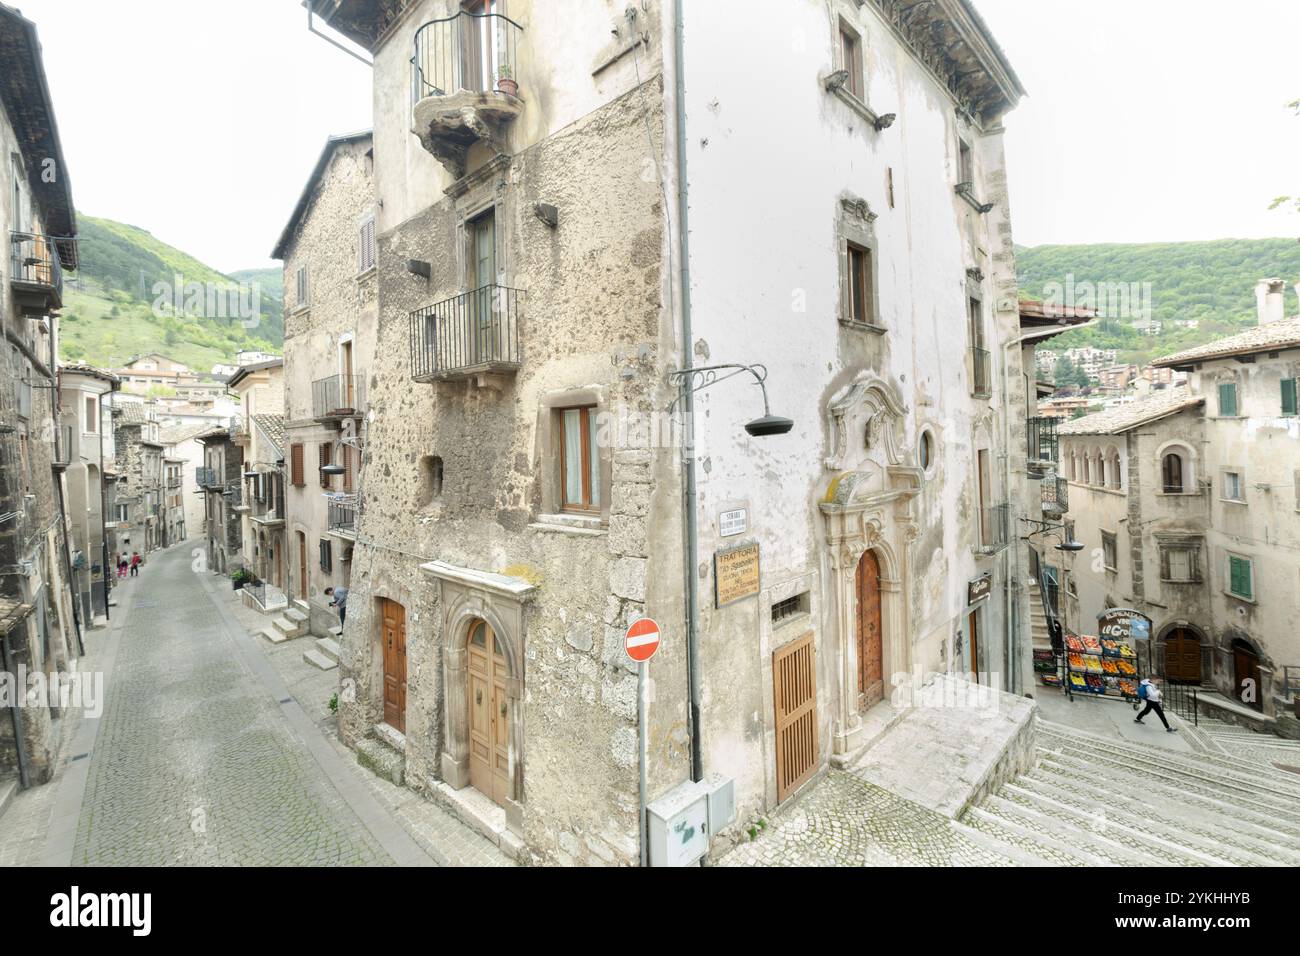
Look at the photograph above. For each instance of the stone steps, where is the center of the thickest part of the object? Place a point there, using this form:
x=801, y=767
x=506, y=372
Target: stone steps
x=271, y=635
x=381, y=760
x=329, y=647
x=1141, y=813
x=1010, y=833
x=316, y=659
x=1223, y=770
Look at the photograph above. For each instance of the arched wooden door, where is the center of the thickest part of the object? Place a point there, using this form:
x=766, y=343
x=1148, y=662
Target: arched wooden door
x=489, y=714
x=392, y=618
x=1245, y=669
x=871, y=665
x=1183, y=656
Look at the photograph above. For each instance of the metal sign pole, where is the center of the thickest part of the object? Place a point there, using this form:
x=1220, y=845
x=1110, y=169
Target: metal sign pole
x=641, y=670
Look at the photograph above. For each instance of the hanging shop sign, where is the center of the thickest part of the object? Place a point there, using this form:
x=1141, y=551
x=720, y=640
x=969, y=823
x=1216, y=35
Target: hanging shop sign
x=735, y=573
x=980, y=588
x=1124, y=624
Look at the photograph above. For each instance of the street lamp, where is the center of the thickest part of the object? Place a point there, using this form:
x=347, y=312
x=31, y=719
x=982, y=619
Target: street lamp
x=699, y=378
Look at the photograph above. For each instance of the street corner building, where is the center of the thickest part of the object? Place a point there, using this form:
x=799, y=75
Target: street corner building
x=45, y=600
x=527, y=313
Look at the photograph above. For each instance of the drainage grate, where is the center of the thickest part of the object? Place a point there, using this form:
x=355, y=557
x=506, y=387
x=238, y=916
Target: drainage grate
x=285, y=700
x=81, y=756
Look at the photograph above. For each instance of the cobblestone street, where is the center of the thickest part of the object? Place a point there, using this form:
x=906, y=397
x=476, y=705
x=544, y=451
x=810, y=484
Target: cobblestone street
x=203, y=757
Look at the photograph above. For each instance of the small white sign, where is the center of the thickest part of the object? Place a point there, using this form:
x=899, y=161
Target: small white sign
x=732, y=523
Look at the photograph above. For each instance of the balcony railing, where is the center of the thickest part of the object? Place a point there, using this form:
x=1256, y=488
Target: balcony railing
x=206, y=478
x=37, y=272
x=338, y=396
x=342, y=517
x=981, y=372
x=1043, y=442
x=474, y=52
x=995, y=527
x=1056, y=495
x=475, y=332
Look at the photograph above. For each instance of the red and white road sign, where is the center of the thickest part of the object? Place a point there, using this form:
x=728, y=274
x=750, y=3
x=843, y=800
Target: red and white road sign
x=642, y=640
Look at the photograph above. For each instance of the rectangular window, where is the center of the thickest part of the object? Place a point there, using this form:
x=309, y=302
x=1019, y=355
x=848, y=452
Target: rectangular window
x=1228, y=400
x=349, y=475
x=1288, y=396
x=1232, y=486
x=303, y=287
x=981, y=374
x=1241, y=578
x=92, y=414
x=124, y=513
x=1109, y=551
x=851, y=59
x=790, y=607
x=860, y=286
x=579, y=459
x=965, y=162
x=295, y=466
x=366, y=247
x=1180, y=564
x=326, y=555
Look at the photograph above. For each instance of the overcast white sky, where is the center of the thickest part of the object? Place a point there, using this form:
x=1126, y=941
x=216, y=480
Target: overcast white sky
x=1146, y=119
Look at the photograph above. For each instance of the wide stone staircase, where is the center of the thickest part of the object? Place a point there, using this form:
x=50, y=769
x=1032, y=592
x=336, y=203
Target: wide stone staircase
x=1268, y=750
x=1098, y=801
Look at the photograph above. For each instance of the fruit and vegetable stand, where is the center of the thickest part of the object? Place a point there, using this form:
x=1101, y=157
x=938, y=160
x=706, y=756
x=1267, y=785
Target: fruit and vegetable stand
x=1101, y=665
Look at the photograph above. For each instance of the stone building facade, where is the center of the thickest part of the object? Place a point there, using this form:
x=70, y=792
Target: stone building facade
x=328, y=250
x=83, y=411
x=140, y=485
x=1188, y=502
x=521, y=495
x=259, y=434
x=220, y=479
x=40, y=626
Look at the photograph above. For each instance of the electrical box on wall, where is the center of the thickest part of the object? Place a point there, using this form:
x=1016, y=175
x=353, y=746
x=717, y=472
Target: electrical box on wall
x=682, y=822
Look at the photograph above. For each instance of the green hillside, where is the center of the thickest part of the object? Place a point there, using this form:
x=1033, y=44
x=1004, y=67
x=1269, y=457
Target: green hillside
x=113, y=308
x=1212, y=283
x=271, y=280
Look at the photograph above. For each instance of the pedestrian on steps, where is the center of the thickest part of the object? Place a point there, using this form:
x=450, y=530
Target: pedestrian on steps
x=1149, y=692
x=340, y=601
x=136, y=561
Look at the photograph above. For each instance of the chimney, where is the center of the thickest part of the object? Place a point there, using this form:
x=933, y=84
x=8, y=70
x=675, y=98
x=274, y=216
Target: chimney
x=1270, y=300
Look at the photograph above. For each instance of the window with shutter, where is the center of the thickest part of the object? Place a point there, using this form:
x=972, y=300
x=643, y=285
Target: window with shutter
x=1239, y=577
x=326, y=556
x=346, y=452
x=1228, y=400
x=366, y=247
x=296, y=469
x=325, y=455
x=1288, y=396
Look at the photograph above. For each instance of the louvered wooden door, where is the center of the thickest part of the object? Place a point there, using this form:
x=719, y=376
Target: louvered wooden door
x=795, y=693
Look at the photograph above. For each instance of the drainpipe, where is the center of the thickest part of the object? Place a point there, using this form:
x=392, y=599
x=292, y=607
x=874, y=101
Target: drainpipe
x=55, y=399
x=690, y=535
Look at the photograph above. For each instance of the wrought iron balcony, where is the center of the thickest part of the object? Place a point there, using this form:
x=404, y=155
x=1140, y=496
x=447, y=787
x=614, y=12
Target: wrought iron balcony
x=342, y=516
x=36, y=273
x=981, y=374
x=464, y=83
x=268, y=512
x=1056, y=495
x=472, y=334
x=337, y=397
x=1044, y=446
x=995, y=528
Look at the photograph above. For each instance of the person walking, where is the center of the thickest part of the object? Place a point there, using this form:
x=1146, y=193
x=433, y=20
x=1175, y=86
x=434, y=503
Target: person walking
x=1150, y=692
x=136, y=561
x=340, y=601
x=121, y=566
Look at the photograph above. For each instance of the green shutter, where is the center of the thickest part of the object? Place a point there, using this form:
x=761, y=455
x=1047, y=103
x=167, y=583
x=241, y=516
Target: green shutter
x=1288, y=396
x=1239, y=577
x=1228, y=400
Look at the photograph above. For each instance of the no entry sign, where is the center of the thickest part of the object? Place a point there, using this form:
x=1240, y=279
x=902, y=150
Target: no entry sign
x=642, y=640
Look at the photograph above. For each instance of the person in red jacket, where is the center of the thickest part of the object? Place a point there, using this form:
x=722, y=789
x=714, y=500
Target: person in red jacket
x=136, y=561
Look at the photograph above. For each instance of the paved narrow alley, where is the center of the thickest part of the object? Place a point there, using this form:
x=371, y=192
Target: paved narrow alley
x=203, y=757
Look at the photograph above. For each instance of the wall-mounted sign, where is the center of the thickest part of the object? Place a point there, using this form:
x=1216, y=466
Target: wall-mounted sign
x=733, y=522
x=735, y=573
x=980, y=588
x=1123, y=623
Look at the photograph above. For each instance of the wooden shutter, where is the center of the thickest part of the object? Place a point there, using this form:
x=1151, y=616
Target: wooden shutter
x=795, y=695
x=346, y=452
x=296, y=471
x=1288, y=396
x=325, y=456
x=1239, y=582
x=326, y=556
x=1228, y=400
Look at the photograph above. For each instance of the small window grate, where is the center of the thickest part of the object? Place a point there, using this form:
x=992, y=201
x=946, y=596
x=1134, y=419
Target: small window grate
x=791, y=607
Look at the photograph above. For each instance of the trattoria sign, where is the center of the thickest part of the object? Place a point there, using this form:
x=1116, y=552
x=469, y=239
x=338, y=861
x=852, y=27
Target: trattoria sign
x=1123, y=624
x=735, y=573
x=980, y=588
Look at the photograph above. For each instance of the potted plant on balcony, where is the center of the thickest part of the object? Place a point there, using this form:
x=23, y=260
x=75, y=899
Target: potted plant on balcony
x=506, y=80
x=239, y=577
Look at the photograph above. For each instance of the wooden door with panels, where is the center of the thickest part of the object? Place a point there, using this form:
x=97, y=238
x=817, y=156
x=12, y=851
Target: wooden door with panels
x=794, y=693
x=1183, y=656
x=302, y=566
x=489, y=714
x=392, y=617
x=871, y=664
